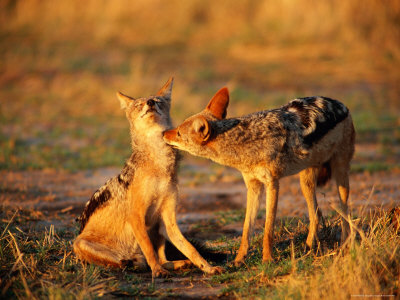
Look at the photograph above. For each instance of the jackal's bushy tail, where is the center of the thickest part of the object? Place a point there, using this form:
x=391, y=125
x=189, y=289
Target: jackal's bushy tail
x=173, y=253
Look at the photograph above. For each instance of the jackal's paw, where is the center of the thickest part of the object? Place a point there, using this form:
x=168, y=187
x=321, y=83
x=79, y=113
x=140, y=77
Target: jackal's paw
x=312, y=243
x=159, y=271
x=216, y=270
x=126, y=263
x=177, y=264
x=238, y=263
x=267, y=259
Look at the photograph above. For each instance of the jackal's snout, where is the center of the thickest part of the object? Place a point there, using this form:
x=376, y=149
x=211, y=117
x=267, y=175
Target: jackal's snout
x=169, y=136
x=150, y=103
x=150, y=108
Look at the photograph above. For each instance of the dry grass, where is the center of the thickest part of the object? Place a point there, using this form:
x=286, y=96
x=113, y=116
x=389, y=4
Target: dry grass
x=366, y=266
x=36, y=265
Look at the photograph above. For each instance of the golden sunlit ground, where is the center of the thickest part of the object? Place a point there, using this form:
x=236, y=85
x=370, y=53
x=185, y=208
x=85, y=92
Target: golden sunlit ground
x=62, y=134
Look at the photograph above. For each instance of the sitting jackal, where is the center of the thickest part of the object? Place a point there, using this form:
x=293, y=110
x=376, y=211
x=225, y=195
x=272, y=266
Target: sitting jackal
x=129, y=218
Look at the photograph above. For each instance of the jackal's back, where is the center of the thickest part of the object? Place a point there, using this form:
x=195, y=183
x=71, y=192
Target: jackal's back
x=115, y=188
x=297, y=125
x=317, y=116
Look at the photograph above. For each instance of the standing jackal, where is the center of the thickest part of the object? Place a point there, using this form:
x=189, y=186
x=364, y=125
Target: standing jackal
x=312, y=136
x=129, y=218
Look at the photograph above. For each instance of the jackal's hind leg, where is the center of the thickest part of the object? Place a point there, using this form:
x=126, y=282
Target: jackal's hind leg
x=97, y=253
x=173, y=265
x=341, y=174
x=308, y=181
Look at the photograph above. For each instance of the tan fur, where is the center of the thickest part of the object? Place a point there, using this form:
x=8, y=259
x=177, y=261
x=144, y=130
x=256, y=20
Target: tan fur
x=129, y=218
x=301, y=137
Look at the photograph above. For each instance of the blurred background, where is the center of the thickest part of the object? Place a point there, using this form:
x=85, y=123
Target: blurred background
x=61, y=63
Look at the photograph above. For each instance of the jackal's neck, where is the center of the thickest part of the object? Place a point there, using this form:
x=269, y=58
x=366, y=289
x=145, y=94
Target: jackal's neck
x=150, y=150
x=222, y=147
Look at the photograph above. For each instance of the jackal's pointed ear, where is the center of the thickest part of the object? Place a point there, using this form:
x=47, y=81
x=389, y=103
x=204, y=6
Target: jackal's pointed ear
x=166, y=90
x=219, y=103
x=124, y=100
x=202, y=130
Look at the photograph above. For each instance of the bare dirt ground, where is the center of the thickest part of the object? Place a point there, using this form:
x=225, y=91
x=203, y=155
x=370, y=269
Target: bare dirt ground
x=60, y=197
x=66, y=193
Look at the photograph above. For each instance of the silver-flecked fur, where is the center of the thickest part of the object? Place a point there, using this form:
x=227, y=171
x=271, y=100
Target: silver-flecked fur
x=312, y=136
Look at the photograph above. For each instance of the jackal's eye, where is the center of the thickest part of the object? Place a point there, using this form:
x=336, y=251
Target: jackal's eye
x=178, y=133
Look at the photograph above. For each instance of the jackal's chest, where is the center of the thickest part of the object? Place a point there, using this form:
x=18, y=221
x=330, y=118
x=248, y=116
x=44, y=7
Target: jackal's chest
x=151, y=186
x=163, y=193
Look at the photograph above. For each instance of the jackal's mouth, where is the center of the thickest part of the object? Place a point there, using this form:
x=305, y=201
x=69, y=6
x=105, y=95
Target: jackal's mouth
x=171, y=144
x=150, y=111
x=168, y=142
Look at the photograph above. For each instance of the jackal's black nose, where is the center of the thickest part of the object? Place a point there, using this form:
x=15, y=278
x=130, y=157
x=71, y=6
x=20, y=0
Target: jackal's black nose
x=151, y=102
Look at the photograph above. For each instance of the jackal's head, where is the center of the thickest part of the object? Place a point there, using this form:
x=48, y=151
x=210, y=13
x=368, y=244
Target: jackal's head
x=150, y=113
x=197, y=131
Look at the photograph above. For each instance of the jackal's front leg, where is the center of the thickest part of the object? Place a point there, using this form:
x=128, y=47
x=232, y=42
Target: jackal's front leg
x=254, y=191
x=183, y=245
x=159, y=244
x=271, y=206
x=137, y=221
